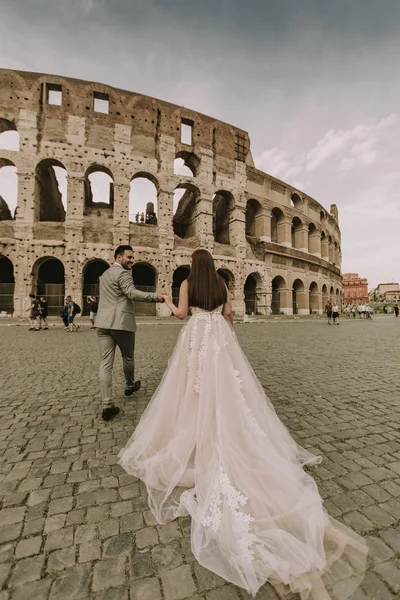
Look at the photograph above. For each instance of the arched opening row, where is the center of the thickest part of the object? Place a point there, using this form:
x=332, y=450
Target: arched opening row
x=51, y=193
x=48, y=280
x=301, y=299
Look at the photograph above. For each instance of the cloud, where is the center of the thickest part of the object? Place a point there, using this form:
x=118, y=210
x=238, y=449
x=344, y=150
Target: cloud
x=273, y=161
x=332, y=143
x=358, y=142
x=356, y=147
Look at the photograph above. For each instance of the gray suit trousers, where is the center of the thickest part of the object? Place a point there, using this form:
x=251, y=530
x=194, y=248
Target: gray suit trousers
x=109, y=339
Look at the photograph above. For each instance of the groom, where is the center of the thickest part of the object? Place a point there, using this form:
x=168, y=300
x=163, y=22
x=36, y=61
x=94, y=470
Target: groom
x=116, y=325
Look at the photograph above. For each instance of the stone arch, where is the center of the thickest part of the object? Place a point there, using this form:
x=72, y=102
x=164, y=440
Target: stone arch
x=298, y=297
x=223, y=204
x=313, y=298
x=325, y=296
x=324, y=246
x=252, y=290
x=330, y=248
x=145, y=278
x=99, y=188
x=143, y=199
x=9, y=135
x=228, y=277
x=277, y=231
x=296, y=201
x=92, y=272
x=180, y=274
x=186, y=163
x=278, y=285
x=297, y=231
x=314, y=240
x=186, y=196
x=253, y=211
x=332, y=294
x=335, y=253
x=7, y=285
x=48, y=280
x=337, y=297
x=50, y=190
x=8, y=190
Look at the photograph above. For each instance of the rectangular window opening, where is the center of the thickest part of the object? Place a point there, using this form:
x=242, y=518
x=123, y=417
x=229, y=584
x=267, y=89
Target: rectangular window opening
x=186, y=132
x=241, y=147
x=101, y=102
x=54, y=94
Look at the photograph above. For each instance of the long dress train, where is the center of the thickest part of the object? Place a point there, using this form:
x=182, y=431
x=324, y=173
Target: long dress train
x=211, y=445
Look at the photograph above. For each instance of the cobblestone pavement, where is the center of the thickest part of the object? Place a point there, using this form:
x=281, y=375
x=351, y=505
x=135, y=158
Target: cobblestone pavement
x=73, y=525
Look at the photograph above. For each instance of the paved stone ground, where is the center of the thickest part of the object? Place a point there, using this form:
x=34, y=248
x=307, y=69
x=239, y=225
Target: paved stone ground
x=73, y=525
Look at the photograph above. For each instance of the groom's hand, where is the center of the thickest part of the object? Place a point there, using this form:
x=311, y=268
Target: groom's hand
x=160, y=297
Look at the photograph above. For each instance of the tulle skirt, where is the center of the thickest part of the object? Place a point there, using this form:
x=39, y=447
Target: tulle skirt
x=211, y=445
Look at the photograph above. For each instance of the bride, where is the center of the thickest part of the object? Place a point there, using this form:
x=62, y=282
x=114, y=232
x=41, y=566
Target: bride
x=211, y=445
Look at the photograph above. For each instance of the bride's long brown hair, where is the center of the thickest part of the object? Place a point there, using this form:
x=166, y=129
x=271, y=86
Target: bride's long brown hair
x=207, y=289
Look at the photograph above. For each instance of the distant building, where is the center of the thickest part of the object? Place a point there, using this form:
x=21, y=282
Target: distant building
x=386, y=292
x=355, y=289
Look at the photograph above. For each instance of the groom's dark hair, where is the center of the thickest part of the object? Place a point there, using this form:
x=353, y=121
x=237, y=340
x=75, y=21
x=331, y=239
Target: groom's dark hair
x=121, y=250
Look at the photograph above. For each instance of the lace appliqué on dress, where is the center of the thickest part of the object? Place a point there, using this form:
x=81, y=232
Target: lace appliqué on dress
x=224, y=494
x=192, y=343
x=202, y=354
x=249, y=415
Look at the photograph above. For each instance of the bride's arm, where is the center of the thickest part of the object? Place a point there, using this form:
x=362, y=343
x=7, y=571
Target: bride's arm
x=182, y=310
x=227, y=310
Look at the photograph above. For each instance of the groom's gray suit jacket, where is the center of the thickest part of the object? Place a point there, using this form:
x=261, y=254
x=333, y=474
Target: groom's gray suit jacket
x=117, y=294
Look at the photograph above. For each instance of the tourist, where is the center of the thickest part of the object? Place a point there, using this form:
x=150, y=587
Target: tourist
x=43, y=313
x=210, y=445
x=335, y=314
x=116, y=325
x=396, y=310
x=33, y=310
x=93, y=307
x=328, y=310
x=64, y=314
x=72, y=312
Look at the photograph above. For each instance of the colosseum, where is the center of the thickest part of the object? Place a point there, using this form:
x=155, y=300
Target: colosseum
x=63, y=139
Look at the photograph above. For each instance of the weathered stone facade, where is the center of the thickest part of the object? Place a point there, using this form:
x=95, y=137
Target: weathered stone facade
x=279, y=248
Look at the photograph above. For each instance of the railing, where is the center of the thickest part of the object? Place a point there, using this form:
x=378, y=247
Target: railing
x=54, y=293
x=145, y=309
x=250, y=300
x=7, y=297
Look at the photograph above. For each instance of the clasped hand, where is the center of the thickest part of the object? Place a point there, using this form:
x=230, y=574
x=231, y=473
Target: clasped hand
x=164, y=298
x=167, y=298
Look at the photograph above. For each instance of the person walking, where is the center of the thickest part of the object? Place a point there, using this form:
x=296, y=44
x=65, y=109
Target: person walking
x=396, y=310
x=93, y=308
x=72, y=312
x=210, y=445
x=43, y=313
x=64, y=314
x=116, y=325
x=33, y=312
x=335, y=314
x=328, y=310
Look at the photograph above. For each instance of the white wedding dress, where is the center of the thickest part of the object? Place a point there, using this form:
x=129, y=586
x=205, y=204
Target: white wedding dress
x=211, y=445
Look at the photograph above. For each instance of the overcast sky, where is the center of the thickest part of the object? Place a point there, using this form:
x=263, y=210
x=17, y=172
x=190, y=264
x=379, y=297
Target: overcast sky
x=315, y=83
